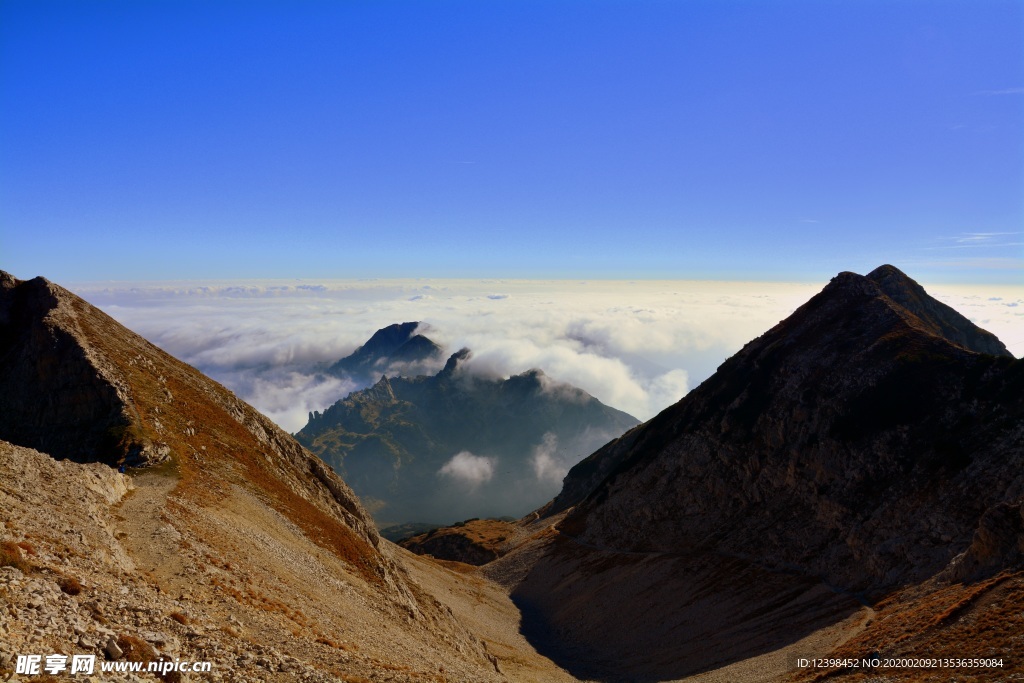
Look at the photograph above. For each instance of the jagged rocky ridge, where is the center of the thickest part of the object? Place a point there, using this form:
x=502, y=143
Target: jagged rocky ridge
x=390, y=441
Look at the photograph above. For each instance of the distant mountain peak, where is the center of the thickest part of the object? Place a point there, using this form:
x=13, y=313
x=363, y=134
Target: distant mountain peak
x=403, y=442
x=396, y=348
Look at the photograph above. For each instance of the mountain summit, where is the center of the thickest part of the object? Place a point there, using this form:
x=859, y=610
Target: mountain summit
x=839, y=428
x=935, y=316
x=869, y=442
x=395, y=349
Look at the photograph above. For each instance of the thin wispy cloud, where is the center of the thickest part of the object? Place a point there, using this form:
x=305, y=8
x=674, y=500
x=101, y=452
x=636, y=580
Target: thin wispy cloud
x=1002, y=91
x=975, y=240
x=972, y=237
x=978, y=245
x=972, y=262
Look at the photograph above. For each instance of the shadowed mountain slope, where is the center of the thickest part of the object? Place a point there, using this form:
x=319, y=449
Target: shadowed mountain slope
x=56, y=393
x=851, y=440
x=861, y=444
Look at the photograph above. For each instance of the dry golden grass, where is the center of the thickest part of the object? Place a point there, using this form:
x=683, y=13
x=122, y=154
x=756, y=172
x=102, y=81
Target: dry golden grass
x=256, y=599
x=136, y=649
x=70, y=585
x=979, y=620
x=10, y=556
x=475, y=540
x=458, y=567
x=350, y=678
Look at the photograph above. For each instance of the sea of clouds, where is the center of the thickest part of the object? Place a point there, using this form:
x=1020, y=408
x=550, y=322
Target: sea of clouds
x=638, y=346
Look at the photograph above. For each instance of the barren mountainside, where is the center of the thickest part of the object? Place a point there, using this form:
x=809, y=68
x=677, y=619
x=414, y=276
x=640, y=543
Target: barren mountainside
x=853, y=440
x=234, y=545
x=870, y=446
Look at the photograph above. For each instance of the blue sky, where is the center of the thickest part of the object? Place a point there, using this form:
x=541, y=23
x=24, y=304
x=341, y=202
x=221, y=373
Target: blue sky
x=722, y=140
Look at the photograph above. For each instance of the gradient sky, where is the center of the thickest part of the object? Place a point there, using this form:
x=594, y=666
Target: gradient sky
x=725, y=140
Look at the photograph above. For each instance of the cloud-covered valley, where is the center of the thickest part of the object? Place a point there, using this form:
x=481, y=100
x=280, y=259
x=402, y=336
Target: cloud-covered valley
x=637, y=346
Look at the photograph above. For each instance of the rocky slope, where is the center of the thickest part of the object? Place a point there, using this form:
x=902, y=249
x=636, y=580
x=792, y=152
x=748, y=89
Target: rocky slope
x=865, y=445
x=398, y=443
x=240, y=548
x=870, y=442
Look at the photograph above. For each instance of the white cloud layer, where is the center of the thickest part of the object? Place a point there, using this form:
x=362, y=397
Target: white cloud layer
x=471, y=470
x=637, y=346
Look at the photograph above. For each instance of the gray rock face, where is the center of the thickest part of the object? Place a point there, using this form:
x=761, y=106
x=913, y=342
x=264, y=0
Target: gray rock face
x=856, y=441
x=55, y=394
x=998, y=542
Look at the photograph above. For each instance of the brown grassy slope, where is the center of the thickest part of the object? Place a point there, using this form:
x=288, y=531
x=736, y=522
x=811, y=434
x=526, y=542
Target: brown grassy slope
x=984, y=619
x=476, y=541
x=217, y=440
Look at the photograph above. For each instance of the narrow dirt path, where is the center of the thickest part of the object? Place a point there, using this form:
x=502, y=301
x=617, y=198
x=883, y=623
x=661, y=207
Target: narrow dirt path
x=143, y=529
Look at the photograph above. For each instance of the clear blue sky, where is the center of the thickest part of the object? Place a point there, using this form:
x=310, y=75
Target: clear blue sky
x=777, y=140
